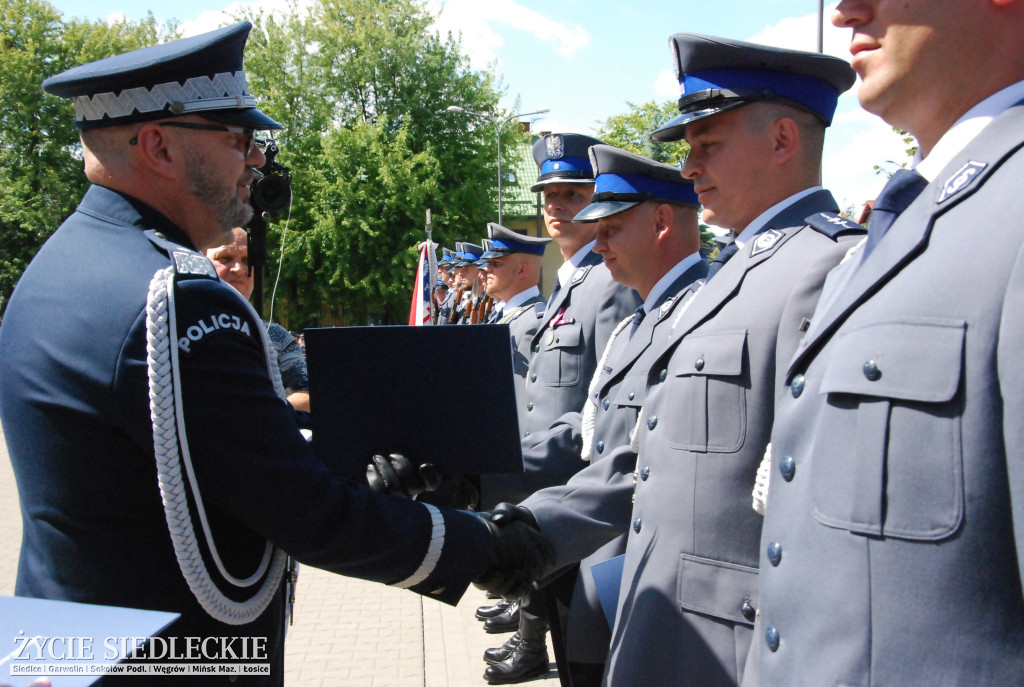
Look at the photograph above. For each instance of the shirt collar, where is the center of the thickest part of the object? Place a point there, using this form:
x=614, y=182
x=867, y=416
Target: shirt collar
x=966, y=129
x=570, y=265
x=666, y=281
x=519, y=298
x=754, y=227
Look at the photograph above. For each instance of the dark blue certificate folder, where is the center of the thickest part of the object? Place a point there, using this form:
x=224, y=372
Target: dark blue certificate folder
x=443, y=395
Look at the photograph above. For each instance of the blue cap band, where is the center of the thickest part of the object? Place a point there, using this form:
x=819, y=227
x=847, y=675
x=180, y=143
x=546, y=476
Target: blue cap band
x=567, y=164
x=813, y=93
x=511, y=246
x=638, y=183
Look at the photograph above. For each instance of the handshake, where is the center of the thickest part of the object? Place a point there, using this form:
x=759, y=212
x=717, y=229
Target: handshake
x=517, y=553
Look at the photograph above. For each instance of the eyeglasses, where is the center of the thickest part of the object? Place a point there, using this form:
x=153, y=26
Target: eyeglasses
x=248, y=134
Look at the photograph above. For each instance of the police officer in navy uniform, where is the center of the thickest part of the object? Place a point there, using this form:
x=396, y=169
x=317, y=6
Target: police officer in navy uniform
x=648, y=233
x=892, y=550
x=513, y=266
x=118, y=378
x=755, y=119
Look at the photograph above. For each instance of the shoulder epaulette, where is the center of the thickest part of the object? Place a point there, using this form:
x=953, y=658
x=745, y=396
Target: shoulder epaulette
x=186, y=262
x=832, y=225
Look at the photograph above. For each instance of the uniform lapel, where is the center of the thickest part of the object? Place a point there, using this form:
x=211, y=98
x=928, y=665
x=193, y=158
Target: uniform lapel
x=644, y=334
x=579, y=275
x=908, y=236
x=727, y=282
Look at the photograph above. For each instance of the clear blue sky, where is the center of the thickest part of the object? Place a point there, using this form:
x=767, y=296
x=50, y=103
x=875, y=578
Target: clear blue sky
x=586, y=59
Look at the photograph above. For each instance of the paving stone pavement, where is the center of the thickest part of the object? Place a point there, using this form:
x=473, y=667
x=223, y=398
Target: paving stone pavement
x=347, y=632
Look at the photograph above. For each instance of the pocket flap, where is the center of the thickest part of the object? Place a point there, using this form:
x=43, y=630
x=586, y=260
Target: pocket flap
x=912, y=360
x=711, y=354
x=566, y=335
x=717, y=589
x=631, y=391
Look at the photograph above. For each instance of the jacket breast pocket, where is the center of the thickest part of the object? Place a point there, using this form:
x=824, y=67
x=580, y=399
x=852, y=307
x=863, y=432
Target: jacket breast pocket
x=707, y=394
x=718, y=589
x=567, y=341
x=888, y=457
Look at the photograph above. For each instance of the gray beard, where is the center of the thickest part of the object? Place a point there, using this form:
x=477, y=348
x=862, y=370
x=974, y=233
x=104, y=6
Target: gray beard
x=230, y=210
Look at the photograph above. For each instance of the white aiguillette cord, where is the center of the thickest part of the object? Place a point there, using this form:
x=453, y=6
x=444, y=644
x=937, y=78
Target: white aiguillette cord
x=170, y=445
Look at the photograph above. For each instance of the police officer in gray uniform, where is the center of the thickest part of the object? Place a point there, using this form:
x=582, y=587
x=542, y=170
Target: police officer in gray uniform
x=513, y=265
x=755, y=119
x=648, y=233
x=585, y=306
x=893, y=544
x=103, y=370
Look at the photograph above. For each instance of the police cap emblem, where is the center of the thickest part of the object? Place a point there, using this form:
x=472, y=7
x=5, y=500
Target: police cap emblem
x=555, y=146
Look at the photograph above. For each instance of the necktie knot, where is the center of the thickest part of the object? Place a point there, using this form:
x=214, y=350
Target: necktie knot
x=901, y=190
x=638, y=316
x=727, y=251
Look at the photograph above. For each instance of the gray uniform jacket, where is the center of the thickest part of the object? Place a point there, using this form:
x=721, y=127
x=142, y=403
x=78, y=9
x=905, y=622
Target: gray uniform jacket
x=562, y=510
x=523, y=322
x=689, y=588
x=573, y=333
x=895, y=515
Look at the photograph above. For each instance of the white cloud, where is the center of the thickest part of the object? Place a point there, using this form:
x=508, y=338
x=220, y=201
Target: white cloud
x=115, y=17
x=212, y=19
x=475, y=20
x=666, y=86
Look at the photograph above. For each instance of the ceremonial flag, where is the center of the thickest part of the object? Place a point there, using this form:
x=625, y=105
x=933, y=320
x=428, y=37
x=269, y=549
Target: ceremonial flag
x=426, y=271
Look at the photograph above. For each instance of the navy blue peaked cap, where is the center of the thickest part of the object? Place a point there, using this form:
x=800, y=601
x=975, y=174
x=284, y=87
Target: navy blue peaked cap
x=504, y=241
x=198, y=75
x=624, y=180
x=718, y=74
x=563, y=159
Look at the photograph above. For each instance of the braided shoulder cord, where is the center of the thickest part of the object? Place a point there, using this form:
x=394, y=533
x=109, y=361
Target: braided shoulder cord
x=168, y=438
x=589, y=420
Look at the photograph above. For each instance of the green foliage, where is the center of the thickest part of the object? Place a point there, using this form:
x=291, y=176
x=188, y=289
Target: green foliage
x=41, y=177
x=909, y=149
x=632, y=132
x=344, y=72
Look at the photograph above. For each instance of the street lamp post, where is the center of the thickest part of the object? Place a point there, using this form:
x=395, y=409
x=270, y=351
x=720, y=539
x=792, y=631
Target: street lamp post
x=499, y=124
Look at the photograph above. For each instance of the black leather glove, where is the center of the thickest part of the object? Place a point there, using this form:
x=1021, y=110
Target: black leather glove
x=397, y=476
x=455, y=491
x=517, y=554
x=505, y=513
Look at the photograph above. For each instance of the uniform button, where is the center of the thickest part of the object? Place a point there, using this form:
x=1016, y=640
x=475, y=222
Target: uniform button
x=748, y=610
x=607, y=403
x=599, y=446
x=652, y=422
x=533, y=376
x=637, y=524
x=775, y=553
x=645, y=473
x=536, y=348
x=871, y=371
x=797, y=386
x=631, y=395
x=662, y=376
x=526, y=434
x=771, y=638
x=787, y=466
x=699, y=365
x=529, y=406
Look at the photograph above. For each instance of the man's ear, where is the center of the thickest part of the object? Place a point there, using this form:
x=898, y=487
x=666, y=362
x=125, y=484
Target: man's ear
x=663, y=218
x=787, y=139
x=155, y=151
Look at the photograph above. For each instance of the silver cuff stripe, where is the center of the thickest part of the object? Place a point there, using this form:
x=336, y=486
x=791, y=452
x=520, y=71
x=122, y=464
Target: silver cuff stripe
x=200, y=93
x=433, y=551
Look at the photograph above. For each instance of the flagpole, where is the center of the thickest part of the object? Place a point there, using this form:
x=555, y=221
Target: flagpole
x=432, y=279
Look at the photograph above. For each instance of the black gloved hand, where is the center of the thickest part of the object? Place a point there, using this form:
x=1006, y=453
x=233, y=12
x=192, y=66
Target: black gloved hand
x=517, y=554
x=505, y=513
x=397, y=476
x=455, y=491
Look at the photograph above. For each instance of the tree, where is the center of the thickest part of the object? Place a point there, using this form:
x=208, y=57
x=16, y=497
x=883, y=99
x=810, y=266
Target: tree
x=344, y=73
x=41, y=177
x=910, y=149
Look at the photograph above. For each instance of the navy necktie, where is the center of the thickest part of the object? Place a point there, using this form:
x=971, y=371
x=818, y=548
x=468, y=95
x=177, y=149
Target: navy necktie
x=726, y=252
x=638, y=317
x=900, y=191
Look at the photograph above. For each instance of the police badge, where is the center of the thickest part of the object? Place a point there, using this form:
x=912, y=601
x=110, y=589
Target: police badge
x=555, y=146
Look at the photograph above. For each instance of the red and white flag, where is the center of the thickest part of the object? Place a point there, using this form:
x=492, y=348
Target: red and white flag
x=419, y=309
